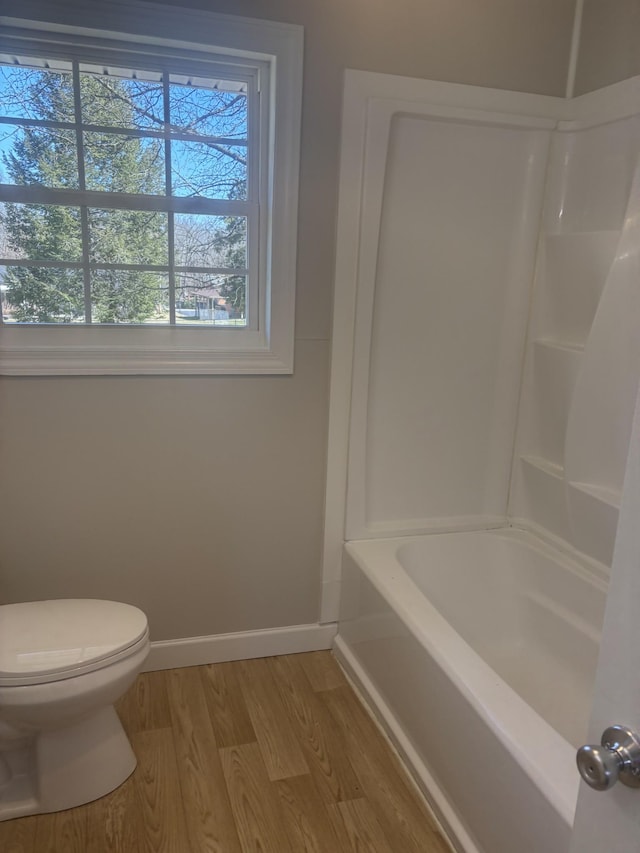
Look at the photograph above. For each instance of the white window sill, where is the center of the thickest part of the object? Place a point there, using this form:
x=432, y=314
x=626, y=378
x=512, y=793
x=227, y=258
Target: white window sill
x=125, y=351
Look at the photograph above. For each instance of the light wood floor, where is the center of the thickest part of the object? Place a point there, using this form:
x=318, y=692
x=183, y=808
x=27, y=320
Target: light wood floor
x=274, y=755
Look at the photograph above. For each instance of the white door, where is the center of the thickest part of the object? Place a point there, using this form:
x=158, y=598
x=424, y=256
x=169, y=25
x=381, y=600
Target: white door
x=609, y=821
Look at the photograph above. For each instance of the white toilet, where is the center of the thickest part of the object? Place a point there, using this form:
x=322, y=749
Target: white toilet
x=62, y=666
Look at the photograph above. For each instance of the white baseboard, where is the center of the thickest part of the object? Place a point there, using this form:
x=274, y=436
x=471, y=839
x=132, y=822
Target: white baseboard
x=439, y=804
x=194, y=651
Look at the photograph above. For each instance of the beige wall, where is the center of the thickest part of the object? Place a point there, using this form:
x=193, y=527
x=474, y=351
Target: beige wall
x=201, y=499
x=609, y=43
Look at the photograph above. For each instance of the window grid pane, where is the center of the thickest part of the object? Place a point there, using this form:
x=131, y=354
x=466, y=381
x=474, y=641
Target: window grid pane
x=127, y=264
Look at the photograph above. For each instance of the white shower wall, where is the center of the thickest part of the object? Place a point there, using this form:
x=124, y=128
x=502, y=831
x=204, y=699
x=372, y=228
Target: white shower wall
x=456, y=249
x=579, y=380
x=444, y=258
x=478, y=231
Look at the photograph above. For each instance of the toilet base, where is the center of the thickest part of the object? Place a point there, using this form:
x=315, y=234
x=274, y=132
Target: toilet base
x=68, y=767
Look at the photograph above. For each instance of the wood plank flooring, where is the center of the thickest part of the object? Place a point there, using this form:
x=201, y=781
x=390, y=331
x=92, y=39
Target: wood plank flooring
x=274, y=755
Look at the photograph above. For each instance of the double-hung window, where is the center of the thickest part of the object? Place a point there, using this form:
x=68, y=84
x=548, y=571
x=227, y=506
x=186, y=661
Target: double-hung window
x=148, y=187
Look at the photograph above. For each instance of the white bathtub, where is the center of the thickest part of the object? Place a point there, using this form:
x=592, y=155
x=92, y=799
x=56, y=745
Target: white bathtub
x=478, y=651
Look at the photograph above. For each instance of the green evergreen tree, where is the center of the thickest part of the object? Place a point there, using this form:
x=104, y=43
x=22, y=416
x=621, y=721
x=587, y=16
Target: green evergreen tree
x=234, y=254
x=112, y=163
x=233, y=290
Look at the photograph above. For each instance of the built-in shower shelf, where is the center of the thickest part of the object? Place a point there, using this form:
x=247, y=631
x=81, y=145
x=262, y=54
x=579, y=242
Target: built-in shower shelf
x=544, y=465
x=594, y=519
x=610, y=497
x=544, y=494
x=604, y=494
x=582, y=237
x=555, y=367
x=561, y=346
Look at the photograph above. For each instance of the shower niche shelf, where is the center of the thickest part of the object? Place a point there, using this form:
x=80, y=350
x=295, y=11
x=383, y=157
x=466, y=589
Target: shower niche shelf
x=595, y=519
x=550, y=469
x=581, y=365
x=595, y=507
x=573, y=270
x=556, y=344
x=544, y=494
x=603, y=494
x=555, y=366
x=610, y=497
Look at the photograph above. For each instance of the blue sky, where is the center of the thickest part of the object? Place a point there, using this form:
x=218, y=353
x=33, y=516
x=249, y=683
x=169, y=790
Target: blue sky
x=199, y=110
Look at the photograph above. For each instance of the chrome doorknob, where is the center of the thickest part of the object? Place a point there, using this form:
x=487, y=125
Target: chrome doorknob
x=617, y=757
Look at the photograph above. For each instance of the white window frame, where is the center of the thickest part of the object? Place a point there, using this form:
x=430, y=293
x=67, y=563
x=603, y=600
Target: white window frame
x=266, y=345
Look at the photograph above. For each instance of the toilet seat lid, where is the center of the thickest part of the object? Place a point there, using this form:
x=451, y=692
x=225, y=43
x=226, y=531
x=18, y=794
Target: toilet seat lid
x=51, y=639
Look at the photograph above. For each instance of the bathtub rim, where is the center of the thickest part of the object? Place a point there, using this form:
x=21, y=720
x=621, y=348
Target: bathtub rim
x=551, y=767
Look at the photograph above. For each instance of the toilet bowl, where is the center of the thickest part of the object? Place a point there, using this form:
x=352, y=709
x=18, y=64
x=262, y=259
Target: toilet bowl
x=62, y=666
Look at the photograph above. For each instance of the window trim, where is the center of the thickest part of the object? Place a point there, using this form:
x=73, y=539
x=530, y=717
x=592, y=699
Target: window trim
x=64, y=350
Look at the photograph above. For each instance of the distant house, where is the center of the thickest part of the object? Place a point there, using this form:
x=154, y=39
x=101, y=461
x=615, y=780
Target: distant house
x=205, y=304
